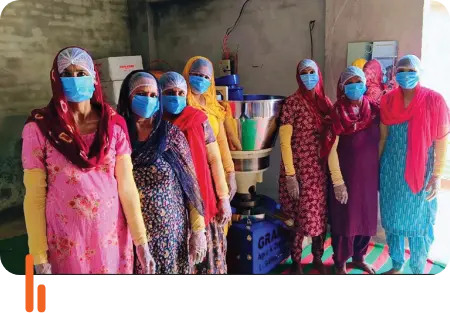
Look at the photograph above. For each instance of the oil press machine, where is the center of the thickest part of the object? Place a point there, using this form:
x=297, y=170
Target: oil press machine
x=258, y=240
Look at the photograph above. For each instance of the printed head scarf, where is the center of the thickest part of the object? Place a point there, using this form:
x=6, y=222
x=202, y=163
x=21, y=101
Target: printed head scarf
x=158, y=145
x=347, y=117
x=348, y=73
x=374, y=74
x=57, y=123
x=318, y=104
x=212, y=106
x=428, y=120
x=191, y=122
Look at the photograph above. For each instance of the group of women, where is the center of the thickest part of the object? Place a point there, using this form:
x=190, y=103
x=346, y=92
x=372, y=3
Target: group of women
x=144, y=189
x=147, y=188
x=372, y=141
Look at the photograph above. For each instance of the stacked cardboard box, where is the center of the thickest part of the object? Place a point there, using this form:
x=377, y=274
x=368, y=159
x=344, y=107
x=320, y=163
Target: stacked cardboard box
x=112, y=72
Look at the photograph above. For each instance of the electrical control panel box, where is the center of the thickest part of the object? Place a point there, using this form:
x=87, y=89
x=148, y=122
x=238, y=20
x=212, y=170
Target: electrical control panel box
x=224, y=67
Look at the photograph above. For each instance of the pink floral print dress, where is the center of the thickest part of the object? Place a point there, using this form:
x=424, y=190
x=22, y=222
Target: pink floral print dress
x=87, y=231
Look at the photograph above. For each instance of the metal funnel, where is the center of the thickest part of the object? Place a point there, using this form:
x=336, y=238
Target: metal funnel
x=252, y=131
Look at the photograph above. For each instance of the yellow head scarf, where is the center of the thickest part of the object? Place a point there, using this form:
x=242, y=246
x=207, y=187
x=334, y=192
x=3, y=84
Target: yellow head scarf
x=359, y=63
x=212, y=106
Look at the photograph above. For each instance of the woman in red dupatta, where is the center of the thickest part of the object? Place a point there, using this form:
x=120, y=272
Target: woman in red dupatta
x=353, y=163
x=71, y=148
x=373, y=71
x=415, y=123
x=305, y=137
x=208, y=167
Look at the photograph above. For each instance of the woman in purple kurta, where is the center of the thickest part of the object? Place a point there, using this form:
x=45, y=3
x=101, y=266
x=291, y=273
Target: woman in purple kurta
x=353, y=165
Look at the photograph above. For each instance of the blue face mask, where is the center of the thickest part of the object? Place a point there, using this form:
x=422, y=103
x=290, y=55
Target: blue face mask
x=310, y=80
x=174, y=104
x=355, y=91
x=385, y=79
x=144, y=106
x=199, y=84
x=78, y=89
x=407, y=80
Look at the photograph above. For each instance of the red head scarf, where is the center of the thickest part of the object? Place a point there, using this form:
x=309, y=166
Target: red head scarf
x=347, y=121
x=320, y=107
x=428, y=120
x=57, y=124
x=348, y=118
x=190, y=122
x=374, y=76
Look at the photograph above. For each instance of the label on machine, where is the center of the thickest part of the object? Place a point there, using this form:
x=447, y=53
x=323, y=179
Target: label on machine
x=268, y=252
x=257, y=249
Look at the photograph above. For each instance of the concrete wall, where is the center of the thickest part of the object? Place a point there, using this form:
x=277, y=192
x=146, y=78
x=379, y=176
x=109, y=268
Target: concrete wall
x=31, y=33
x=369, y=20
x=142, y=37
x=273, y=36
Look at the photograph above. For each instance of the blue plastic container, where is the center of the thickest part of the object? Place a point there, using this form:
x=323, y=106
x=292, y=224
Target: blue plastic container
x=228, y=80
x=236, y=94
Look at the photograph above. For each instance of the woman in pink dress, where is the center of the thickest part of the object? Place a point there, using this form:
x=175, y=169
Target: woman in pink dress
x=81, y=202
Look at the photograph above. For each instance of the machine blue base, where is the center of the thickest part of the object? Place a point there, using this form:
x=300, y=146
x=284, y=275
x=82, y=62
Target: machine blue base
x=257, y=247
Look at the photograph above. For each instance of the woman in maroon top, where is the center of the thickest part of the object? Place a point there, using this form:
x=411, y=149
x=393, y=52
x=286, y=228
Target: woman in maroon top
x=304, y=133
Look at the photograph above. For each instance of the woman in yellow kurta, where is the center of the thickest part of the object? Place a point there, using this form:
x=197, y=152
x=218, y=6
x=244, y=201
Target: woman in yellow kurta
x=199, y=75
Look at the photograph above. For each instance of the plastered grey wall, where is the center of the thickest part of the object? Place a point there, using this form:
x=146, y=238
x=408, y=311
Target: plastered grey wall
x=142, y=32
x=369, y=20
x=31, y=33
x=273, y=36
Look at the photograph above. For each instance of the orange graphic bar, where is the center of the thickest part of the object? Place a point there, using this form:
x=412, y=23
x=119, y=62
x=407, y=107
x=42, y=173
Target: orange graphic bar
x=41, y=298
x=29, y=283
